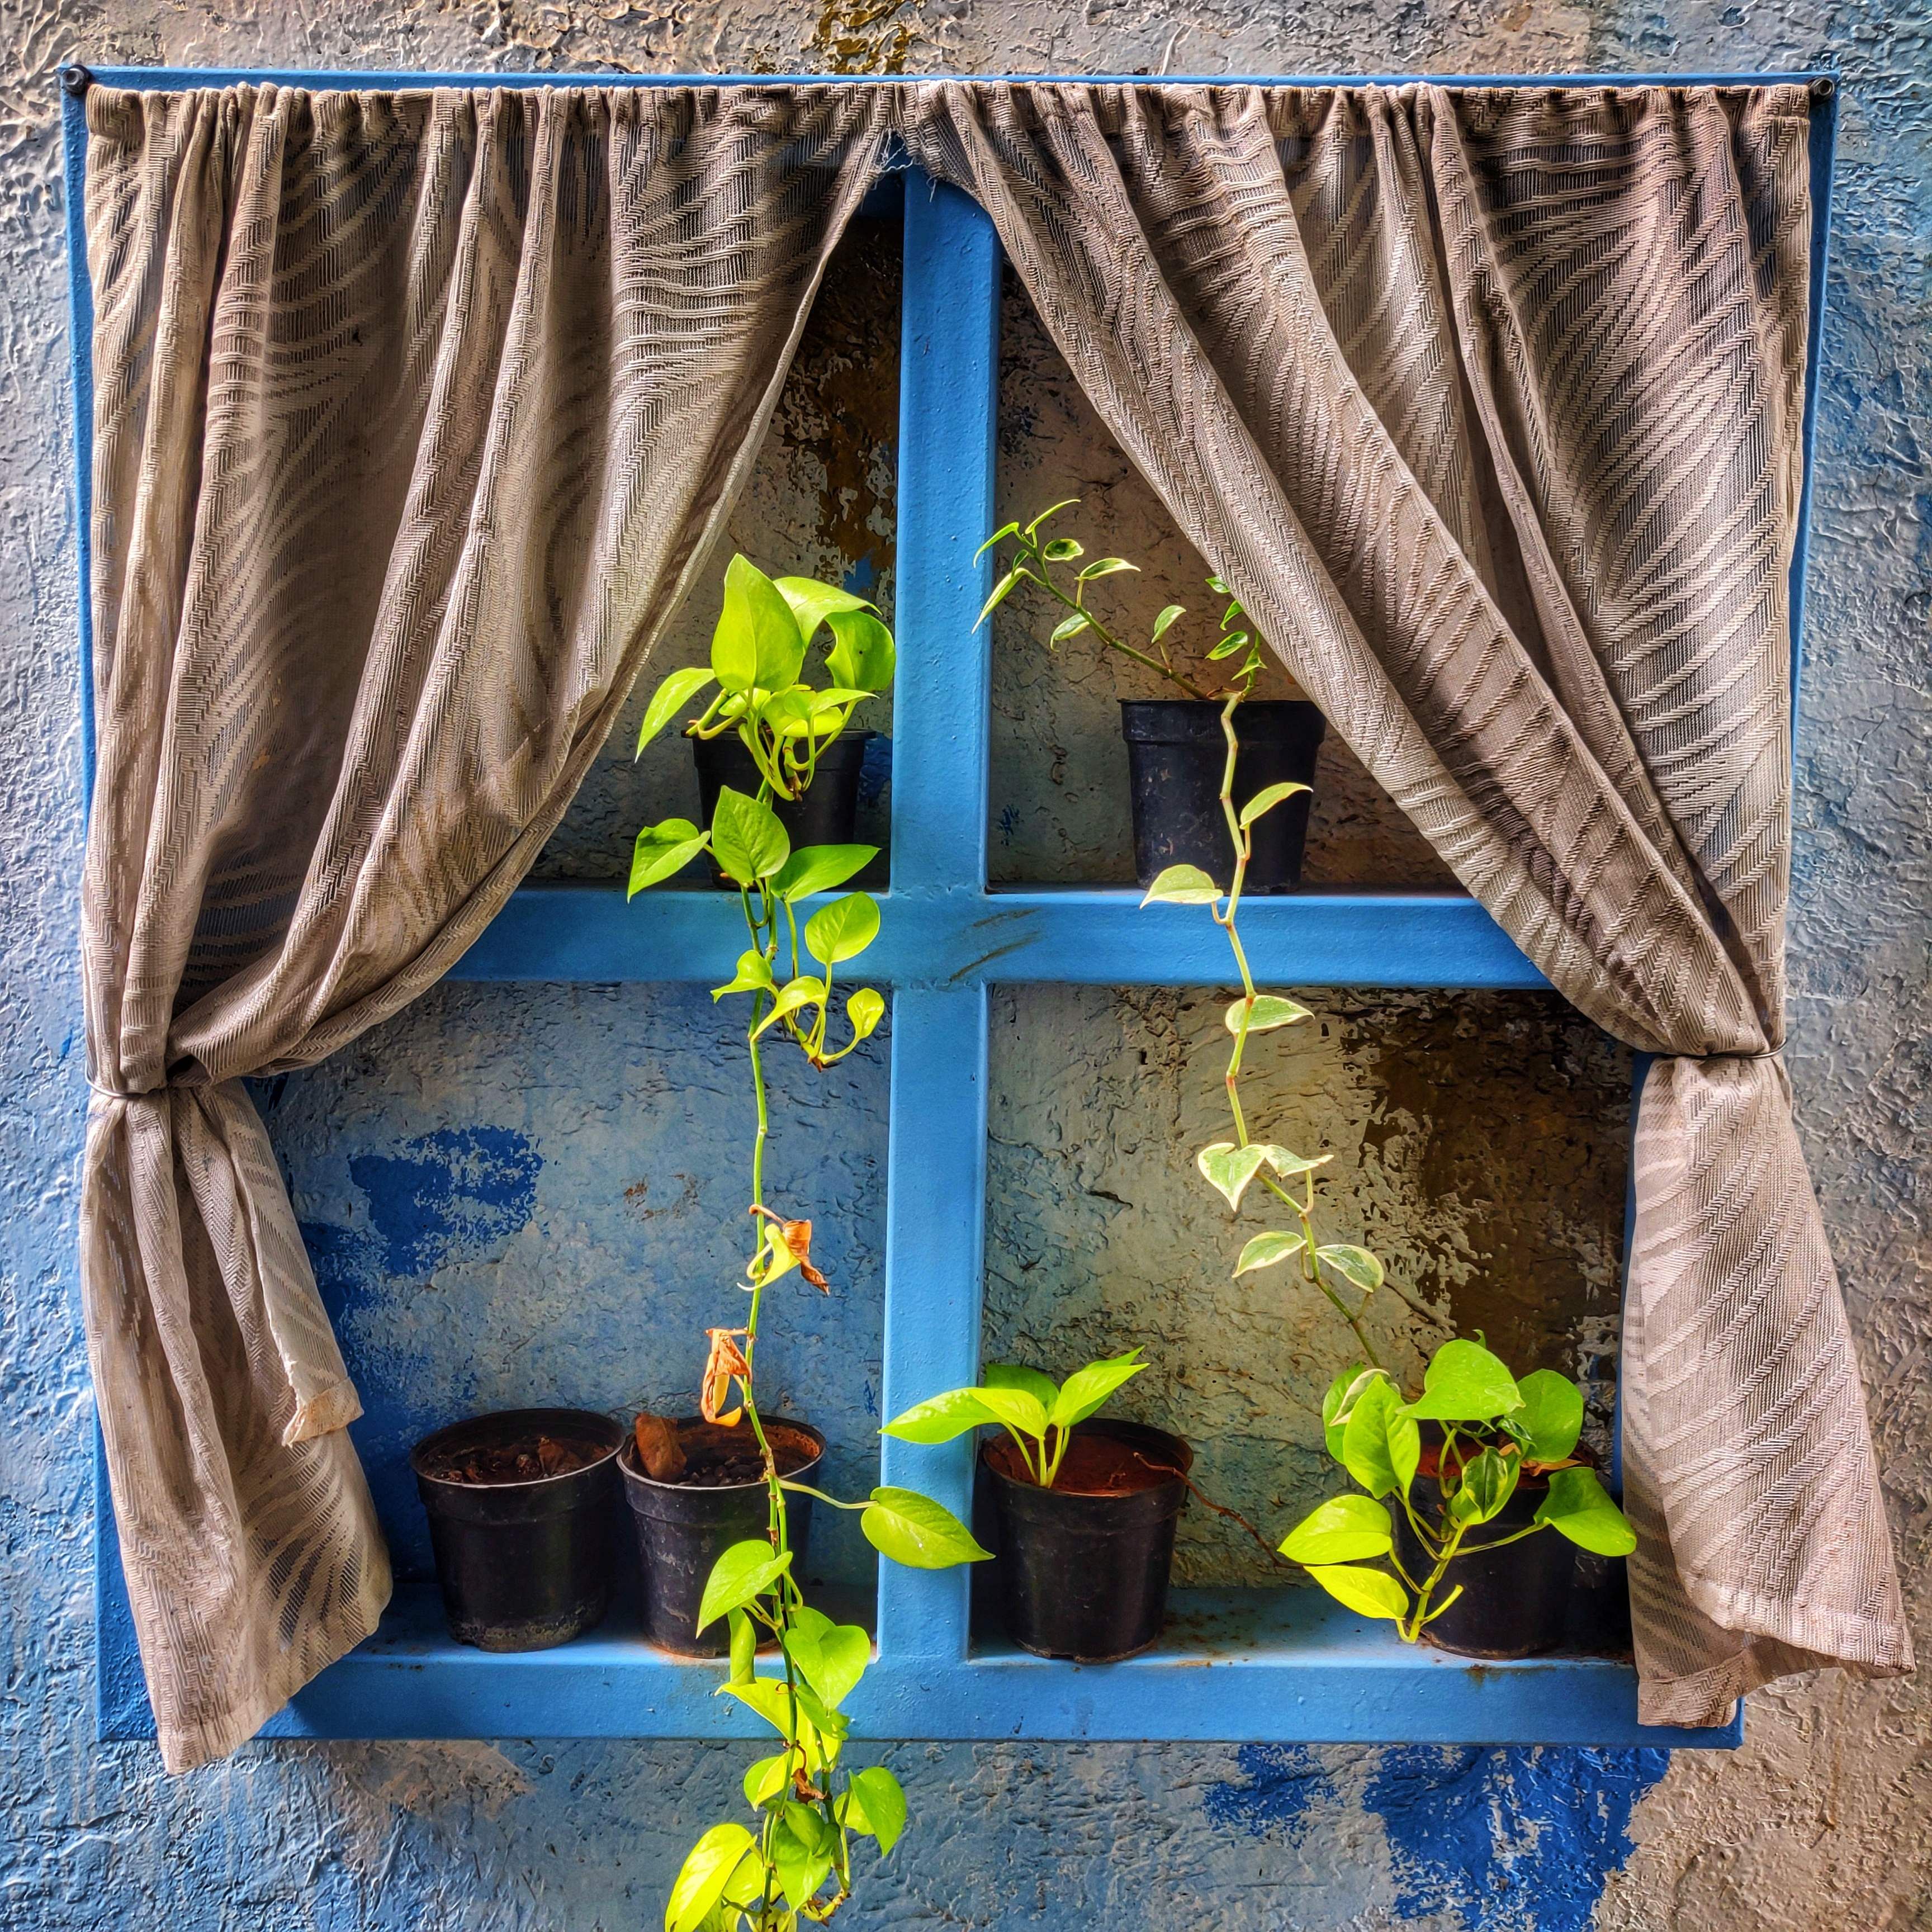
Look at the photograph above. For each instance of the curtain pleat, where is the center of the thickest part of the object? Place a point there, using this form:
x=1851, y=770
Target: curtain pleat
x=1487, y=405
x=415, y=415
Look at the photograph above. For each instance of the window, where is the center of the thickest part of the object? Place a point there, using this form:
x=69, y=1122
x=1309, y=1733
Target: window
x=1285, y=1665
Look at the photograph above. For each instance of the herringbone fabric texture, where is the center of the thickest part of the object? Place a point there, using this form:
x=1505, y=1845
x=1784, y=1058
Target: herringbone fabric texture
x=1488, y=406
x=414, y=414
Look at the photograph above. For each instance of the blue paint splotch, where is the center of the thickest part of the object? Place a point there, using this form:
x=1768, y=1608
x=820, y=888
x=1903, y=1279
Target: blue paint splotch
x=1508, y=1840
x=463, y=1188
x=451, y=1195
x=1283, y=1781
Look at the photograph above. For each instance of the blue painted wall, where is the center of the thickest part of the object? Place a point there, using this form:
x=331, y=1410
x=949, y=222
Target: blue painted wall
x=509, y=1190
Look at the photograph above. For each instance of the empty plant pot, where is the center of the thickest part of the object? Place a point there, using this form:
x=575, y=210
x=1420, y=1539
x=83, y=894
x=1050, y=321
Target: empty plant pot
x=521, y=1508
x=1516, y=1600
x=1083, y=1567
x=827, y=813
x=1176, y=753
x=683, y=1526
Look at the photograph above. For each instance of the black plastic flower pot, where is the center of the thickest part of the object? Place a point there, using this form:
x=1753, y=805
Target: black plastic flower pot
x=1083, y=1567
x=1516, y=1600
x=523, y=1556
x=683, y=1527
x=1176, y=755
x=826, y=815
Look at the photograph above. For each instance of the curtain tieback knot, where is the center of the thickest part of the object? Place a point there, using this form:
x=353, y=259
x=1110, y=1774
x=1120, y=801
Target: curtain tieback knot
x=121, y=1094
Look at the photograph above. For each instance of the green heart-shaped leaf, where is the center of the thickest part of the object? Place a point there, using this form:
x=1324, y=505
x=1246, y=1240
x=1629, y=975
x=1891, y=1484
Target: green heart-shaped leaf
x=1344, y=1529
x=941, y=1418
x=863, y=658
x=1270, y=1010
x=875, y=1803
x=1356, y=1266
x=1551, y=1418
x=1577, y=1507
x=1010, y=1375
x=662, y=850
x=669, y=699
x=810, y=602
x=1268, y=798
x=1268, y=1250
x=1228, y=1168
x=754, y=975
x=865, y=1009
x=1182, y=885
x=1369, y=1593
x=1086, y=1389
x=843, y=929
x=914, y=1530
x=747, y=839
x=744, y=1572
x=1464, y=1383
x=701, y=1880
x=818, y=869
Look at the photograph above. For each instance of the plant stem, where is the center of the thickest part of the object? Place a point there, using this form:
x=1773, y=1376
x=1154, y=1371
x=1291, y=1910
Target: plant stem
x=1044, y=576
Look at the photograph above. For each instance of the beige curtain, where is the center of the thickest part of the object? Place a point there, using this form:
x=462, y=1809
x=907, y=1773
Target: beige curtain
x=414, y=412
x=1487, y=405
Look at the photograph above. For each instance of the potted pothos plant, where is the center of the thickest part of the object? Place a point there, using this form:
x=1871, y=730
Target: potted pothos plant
x=1346, y=1273
x=766, y=732
x=1085, y=1508
x=718, y=1499
x=1177, y=746
x=1447, y=1539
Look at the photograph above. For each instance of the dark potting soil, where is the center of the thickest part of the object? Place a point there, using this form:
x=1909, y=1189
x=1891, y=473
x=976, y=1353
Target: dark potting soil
x=718, y=1458
x=1094, y=1465
x=526, y=1461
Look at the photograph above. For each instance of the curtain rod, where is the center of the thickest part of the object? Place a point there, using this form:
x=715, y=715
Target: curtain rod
x=76, y=78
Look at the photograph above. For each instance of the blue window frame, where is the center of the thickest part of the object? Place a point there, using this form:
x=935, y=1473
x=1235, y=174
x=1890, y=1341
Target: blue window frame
x=1286, y=1666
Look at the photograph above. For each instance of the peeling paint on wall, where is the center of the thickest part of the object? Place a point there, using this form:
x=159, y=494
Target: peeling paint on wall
x=1509, y=1840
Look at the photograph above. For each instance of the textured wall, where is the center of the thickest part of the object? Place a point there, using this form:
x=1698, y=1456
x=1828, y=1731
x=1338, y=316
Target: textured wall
x=510, y=1192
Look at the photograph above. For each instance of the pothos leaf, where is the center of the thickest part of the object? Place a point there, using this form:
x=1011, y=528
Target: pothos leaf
x=1228, y=1168
x=662, y=850
x=843, y=929
x=914, y=1530
x=747, y=839
x=817, y=868
x=875, y=1803
x=669, y=698
x=1266, y=799
x=745, y=1571
x=754, y=975
x=864, y=1010
x=804, y=990
x=701, y=1880
x=1369, y=1593
x=1086, y=1389
x=1270, y=1010
x=1344, y=1529
x=1268, y=1251
x=1356, y=1266
x=1011, y=1375
x=1182, y=885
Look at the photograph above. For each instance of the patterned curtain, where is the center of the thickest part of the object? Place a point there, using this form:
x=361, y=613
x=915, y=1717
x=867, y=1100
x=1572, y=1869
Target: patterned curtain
x=415, y=413
x=1487, y=405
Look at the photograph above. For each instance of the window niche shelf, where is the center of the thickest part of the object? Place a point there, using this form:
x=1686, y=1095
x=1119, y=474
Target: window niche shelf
x=1260, y=1665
